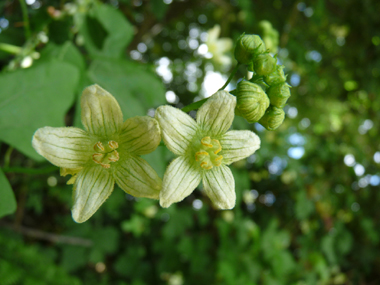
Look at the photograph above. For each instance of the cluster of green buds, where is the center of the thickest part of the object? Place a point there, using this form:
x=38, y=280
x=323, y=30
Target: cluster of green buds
x=263, y=97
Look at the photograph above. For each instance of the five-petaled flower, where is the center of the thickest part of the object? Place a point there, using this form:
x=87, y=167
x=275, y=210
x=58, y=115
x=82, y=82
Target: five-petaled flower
x=205, y=148
x=218, y=47
x=107, y=152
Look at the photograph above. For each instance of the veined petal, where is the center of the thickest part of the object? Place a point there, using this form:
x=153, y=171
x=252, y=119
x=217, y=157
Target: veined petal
x=216, y=115
x=140, y=135
x=219, y=185
x=64, y=147
x=224, y=44
x=180, y=180
x=237, y=145
x=177, y=127
x=101, y=114
x=136, y=177
x=92, y=187
x=213, y=34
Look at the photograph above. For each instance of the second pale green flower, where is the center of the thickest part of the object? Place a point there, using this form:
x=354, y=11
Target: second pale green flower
x=205, y=148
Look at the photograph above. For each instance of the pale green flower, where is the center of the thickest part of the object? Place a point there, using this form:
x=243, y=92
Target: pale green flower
x=107, y=152
x=205, y=148
x=218, y=47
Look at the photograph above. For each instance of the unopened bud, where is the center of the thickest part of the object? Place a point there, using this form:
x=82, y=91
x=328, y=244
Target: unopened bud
x=247, y=47
x=272, y=118
x=252, y=101
x=264, y=64
x=279, y=94
x=277, y=76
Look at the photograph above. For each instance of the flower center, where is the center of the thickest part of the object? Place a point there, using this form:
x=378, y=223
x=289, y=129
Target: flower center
x=207, y=156
x=104, y=155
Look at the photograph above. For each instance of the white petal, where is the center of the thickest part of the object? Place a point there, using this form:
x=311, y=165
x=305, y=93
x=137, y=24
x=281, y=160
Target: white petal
x=237, y=145
x=216, y=115
x=219, y=185
x=64, y=147
x=180, y=180
x=92, y=187
x=213, y=34
x=136, y=177
x=140, y=135
x=224, y=45
x=101, y=114
x=177, y=127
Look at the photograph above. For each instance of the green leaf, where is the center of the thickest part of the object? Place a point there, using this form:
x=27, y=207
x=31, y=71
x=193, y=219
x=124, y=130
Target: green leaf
x=7, y=200
x=106, y=31
x=33, y=98
x=135, y=88
x=66, y=52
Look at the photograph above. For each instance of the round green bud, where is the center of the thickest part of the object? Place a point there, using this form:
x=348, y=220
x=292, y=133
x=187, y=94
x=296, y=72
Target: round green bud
x=272, y=118
x=252, y=101
x=265, y=25
x=247, y=47
x=277, y=76
x=264, y=64
x=279, y=94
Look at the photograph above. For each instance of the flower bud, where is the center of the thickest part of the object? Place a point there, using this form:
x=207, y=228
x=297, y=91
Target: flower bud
x=272, y=118
x=247, y=47
x=264, y=64
x=252, y=101
x=279, y=94
x=277, y=76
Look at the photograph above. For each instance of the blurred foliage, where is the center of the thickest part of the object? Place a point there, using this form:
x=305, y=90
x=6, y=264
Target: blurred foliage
x=307, y=209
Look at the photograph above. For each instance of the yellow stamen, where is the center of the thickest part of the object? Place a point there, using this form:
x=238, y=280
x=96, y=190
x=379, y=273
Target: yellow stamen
x=97, y=157
x=115, y=156
x=200, y=154
x=206, y=141
x=98, y=146
x=113, y=144
x=207, y=156
x=218, y=158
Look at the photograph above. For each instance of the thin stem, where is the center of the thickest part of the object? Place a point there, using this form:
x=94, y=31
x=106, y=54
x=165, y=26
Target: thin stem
x=231, y=76
x=198, y=104
x=25, y=19
x=30, y=232
x=7, y=157
x=194, y=106
x=10, y=48
x=29, y=170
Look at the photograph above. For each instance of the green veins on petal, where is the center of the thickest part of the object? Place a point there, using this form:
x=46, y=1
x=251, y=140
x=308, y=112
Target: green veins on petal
x=98, y=157
x=204, y=148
